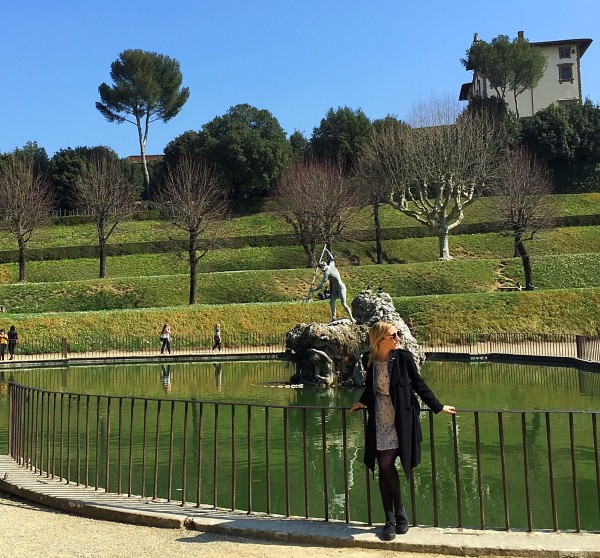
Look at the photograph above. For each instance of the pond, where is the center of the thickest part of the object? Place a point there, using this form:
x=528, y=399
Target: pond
x=468, y=386
x=479, y=385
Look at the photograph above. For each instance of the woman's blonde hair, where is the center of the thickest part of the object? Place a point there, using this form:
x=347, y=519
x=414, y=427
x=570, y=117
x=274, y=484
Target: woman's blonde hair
x=376, y=333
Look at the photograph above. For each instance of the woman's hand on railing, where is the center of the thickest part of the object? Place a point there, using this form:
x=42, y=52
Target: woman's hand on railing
x=358, y=406
x=449, y=409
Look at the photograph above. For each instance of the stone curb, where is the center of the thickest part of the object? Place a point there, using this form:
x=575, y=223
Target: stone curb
x=143, y=511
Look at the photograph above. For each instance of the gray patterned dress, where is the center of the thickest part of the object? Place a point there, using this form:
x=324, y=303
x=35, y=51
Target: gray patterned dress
x=387, y=437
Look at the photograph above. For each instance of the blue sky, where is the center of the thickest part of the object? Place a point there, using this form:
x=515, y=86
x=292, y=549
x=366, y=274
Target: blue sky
x=295, y=59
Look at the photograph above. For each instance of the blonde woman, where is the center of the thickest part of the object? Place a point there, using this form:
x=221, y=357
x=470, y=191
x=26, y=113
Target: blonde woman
x=393, y=426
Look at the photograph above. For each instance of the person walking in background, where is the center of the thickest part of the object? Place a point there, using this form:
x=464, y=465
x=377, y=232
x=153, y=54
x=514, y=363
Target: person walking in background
x=165, y=337
x=217, y=338
x=12, y=341
x=393, y=426
x=3, y=343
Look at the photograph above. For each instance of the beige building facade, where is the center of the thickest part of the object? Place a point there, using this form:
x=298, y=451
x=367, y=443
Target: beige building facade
x=560, y=84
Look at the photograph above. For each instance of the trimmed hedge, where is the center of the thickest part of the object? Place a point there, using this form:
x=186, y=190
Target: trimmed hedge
x=574, y=311
x=158, y=246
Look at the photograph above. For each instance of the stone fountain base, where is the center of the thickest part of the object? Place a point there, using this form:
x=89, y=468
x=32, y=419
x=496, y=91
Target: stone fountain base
x=330, y=354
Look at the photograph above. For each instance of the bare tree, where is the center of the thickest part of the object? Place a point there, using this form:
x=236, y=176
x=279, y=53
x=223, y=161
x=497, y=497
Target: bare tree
x=194, y=201
x=316, y=199
x=25, y=201
x=379, y=161
x=446, y=163
x=106, y=191
x=523, y=201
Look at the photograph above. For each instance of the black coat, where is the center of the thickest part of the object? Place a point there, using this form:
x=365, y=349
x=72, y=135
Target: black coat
x=405, y=380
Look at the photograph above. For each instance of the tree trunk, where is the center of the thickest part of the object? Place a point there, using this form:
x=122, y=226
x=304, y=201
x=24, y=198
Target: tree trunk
x=526, y=262
x=193, y=260
x=312, y=262
x=443, y=243
x=377, y=233
x=22, y=275
x=146, y=175
x=102, y=249
x=143, y=156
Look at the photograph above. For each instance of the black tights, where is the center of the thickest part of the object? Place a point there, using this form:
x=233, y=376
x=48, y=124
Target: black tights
x=389, y=482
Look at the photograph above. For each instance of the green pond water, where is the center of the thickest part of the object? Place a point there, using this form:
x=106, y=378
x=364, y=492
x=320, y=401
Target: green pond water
x=257, y=435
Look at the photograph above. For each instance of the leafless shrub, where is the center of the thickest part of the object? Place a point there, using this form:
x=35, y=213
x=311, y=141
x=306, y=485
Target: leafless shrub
x=194, y=201
x=106, y=191
x=523, y=201
x=316, y=199
x=25, y=201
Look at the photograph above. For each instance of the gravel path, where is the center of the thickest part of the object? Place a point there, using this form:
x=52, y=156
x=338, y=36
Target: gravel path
x=28, y=530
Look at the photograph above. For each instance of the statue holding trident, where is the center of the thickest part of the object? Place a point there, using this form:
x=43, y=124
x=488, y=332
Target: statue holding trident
x=336, y=285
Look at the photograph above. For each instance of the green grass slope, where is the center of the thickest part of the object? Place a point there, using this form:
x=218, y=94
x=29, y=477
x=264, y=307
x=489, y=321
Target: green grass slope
x=575, y=311
x=411, y=250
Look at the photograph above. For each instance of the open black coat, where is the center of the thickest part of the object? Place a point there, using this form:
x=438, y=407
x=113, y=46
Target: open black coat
x=405, y=380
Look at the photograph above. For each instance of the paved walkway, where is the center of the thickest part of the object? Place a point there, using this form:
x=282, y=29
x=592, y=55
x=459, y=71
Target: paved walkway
x=88, y=502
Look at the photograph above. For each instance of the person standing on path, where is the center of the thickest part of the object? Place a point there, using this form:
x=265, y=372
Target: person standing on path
x=3, y=343
x=12, y=341
x=393, y=426
x=165, y=337
x=218, y=344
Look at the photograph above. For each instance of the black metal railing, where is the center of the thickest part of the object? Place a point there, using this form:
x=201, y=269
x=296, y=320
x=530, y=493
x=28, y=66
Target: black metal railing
x=53, y=347
x=535, y=344
x=492, y=469
x=529, y=344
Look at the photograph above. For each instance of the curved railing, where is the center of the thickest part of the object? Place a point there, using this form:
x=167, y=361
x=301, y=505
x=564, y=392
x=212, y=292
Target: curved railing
x=492, y=469
x=582, y=347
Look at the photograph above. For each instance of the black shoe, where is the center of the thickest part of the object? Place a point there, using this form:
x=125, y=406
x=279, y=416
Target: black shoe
x=401, y=522
x=389, y=531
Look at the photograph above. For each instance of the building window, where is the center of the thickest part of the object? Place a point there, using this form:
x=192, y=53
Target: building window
x=567, y=102
x=564, y=53
x=565, y=72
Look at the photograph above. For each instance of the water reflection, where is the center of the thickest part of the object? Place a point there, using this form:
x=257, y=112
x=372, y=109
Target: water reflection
x=218, y=375
x=481, y=385
x=166, y=378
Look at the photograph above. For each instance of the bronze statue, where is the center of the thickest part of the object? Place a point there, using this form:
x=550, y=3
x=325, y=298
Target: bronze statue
x=337, y=289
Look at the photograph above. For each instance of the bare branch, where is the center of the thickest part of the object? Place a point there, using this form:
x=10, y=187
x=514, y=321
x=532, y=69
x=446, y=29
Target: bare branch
x=106, y=192
x=446, y=164
x=194, y=201
x=25, y=201
x=317, y=200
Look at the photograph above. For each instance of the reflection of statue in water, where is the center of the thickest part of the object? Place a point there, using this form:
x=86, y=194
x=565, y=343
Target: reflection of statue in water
x=337, y=288
x=218, y=376
x=166, y=378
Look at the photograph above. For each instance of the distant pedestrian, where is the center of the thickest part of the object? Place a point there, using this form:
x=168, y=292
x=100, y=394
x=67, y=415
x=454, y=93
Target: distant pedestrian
x=411, y=326
x=3, y=343
x=12, y=341
x=218, y=344
x=165, y=337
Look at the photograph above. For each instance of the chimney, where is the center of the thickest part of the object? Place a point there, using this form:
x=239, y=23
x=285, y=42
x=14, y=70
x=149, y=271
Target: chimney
x=521, y=34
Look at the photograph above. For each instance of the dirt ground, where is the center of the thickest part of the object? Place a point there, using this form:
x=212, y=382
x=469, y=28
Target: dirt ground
x=31, y=530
